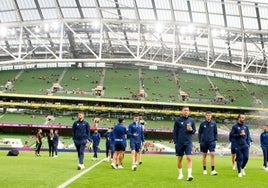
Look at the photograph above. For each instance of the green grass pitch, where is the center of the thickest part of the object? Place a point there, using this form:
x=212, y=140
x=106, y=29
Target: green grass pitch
x=157, y=171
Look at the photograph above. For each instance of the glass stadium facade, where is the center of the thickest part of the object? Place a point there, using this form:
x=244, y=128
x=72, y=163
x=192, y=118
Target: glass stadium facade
x=227, y=38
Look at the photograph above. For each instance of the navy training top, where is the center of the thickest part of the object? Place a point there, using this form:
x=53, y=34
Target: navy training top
x=135, y=128
x=264, y=139
x=96, y=139
x=180, y=133
x=119, y=132
x=81, y=130
x=207, y=132
x=238, y=140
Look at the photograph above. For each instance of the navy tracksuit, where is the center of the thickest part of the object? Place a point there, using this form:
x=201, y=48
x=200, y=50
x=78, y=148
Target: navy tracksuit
x=81, y=135
x=241, y=144
x=264, y=147
x=182, y=137
x=109, y=143
x=96, y=141
x=207, y=135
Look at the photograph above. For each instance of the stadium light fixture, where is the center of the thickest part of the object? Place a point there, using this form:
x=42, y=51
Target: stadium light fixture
x=159, y=28
x=215, y=33
x=37, y=29
x=183, y=30
x=95, y=25
x=12, y=31
x=190, y=29
x=3, y=31
x=54, y=26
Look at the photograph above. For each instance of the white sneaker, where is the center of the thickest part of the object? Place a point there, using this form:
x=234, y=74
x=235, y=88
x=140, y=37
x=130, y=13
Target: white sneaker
x=113, y=165
x=243, y=172
x=214, y=173
x=134, y=167
x=234, y=167
x=107, y=159
x=180, y=177
x=55, y=156
x=265, y=168
x=205, y=172
x=190, y=178
x=240, y=175
x=120, y=167
x=81, y=166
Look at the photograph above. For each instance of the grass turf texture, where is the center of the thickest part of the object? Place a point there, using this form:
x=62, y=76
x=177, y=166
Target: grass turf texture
x=156, y=171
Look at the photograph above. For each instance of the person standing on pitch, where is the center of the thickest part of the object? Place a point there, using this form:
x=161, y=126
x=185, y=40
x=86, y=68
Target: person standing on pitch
x=233, y=155
x=109, y=144
x=142, y=122
x=81, y=136
x=96, y=137
x=264, y=146
x=38, y=139
x=50, y=142
x=119, y=137
x=207, y=136
x=240, y=134
x=136, y=138
x=184, y=128
x=56, y=142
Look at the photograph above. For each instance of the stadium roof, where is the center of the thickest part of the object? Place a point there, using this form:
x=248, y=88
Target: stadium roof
x=216, y=35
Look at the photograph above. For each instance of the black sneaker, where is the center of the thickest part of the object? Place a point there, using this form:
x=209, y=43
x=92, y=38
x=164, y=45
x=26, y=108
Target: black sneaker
x=190, y=178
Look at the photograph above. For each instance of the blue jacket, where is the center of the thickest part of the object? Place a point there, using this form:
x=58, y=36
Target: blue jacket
x=119, y=133
x=207, y=132
x=180, y=133
x=264, y=139
x=133, y=129
x=109, y=138
x=238, y=140
x=56, y=139
x=96, y=139
x=81, y=131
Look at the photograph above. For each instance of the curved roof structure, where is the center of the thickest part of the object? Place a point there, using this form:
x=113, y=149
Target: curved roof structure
x=226, y=36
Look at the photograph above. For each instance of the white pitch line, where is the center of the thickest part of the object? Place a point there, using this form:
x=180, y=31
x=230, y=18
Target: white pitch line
x=69, y=181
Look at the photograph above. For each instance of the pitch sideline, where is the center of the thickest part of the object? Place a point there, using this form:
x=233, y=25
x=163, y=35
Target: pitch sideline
x=69, y=181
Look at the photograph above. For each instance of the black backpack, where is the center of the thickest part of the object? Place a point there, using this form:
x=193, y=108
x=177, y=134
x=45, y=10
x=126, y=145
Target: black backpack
x=13, y=152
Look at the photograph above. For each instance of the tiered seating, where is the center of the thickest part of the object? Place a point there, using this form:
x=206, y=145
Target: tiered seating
x=160, y=86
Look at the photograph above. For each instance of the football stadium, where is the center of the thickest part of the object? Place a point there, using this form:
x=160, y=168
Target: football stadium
x=113, y=59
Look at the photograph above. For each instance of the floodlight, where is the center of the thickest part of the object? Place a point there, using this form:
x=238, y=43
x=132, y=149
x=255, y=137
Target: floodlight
x=37, y=29
x=215, y=33
x=159, y=27
x=3, y=31
x=54, y=26
x=46, y=27
x=95, y=25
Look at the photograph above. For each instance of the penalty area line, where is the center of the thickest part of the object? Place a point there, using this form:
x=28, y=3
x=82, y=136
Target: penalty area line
x=69, y=181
